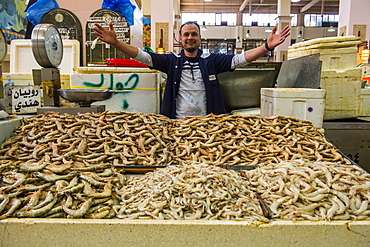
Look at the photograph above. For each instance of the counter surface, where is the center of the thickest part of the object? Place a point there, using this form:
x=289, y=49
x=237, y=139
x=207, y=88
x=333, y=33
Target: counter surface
x=116, y=232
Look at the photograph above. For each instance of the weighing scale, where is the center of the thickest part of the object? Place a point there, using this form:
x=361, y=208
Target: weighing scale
x=68, y=24
x=47, y=48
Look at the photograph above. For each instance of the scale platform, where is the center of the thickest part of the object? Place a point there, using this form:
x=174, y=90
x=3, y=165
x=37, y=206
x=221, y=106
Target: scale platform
x=74, y=110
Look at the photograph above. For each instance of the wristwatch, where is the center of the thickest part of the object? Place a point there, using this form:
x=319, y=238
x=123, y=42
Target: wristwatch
x=268, y=48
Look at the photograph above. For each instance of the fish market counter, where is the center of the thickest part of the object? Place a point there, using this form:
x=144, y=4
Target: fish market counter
x=110, y=232
x=310, y=207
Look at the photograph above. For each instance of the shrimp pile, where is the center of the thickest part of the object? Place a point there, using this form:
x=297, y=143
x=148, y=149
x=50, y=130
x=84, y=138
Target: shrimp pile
x=42, y=189
x=110, y=137
x=137, y=139
x=189, y=192
x=301, y=190
x=248, y=140
x=70, y=166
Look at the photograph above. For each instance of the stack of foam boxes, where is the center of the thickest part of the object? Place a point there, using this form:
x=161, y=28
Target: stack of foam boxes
x=339, y=75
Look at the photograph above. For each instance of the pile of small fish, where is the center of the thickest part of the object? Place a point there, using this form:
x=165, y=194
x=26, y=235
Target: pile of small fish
x=43, y=189
x=137, y=139
x=189, y=192
x=301, y=190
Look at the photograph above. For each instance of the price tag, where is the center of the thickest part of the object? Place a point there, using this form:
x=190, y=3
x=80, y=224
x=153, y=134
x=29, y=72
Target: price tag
x=22, y=99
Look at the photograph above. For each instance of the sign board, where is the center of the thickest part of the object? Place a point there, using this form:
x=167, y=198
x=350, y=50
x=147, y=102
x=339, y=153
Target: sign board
x=22, y=99
x=96, y=50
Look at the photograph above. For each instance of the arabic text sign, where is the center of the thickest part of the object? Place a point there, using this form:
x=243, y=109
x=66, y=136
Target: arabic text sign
x=22, y=99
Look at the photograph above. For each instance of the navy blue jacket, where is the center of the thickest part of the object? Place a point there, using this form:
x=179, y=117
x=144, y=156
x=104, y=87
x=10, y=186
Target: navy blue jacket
x=210, y=65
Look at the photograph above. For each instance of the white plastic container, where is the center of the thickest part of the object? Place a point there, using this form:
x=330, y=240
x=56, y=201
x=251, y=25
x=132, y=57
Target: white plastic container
x=301, y=103
x=23, y=61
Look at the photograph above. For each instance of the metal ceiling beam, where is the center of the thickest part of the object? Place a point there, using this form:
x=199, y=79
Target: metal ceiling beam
x=322, y=7
x=244, y=4
x=309, y=5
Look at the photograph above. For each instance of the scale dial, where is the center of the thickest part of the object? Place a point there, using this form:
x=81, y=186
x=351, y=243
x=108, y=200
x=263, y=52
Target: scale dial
x=3, y=46
x=47, y=45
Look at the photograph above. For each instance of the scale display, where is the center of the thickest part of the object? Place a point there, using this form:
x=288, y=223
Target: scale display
x=97, y=51
x=47, y=46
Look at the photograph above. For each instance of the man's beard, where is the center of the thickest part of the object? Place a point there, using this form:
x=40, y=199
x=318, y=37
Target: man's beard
x=190, y=49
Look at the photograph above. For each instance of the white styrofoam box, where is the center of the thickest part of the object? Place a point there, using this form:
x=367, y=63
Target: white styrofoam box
x=337, y=41
x=23, y=61
x=24, y=79
x=298, y=52
x=339, y=58
x=248, y=111
x=365, y=102
x=343, y=89
x=302, y=103
x=134, y=92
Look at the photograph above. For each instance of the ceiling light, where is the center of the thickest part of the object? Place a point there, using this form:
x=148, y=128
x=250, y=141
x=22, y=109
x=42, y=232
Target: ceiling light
x=248, y=34
x=331, y=29
x=295, y=1
x=160, y=50
x=365, y=55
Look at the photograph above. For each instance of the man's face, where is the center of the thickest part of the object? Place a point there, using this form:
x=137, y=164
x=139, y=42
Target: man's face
x=190, y=37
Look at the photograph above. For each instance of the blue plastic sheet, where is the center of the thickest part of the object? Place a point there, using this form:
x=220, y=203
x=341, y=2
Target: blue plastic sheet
x=125, y=7
x=37, y=10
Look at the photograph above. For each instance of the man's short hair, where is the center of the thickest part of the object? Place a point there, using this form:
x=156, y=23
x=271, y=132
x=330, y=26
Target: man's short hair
x=190, y=22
